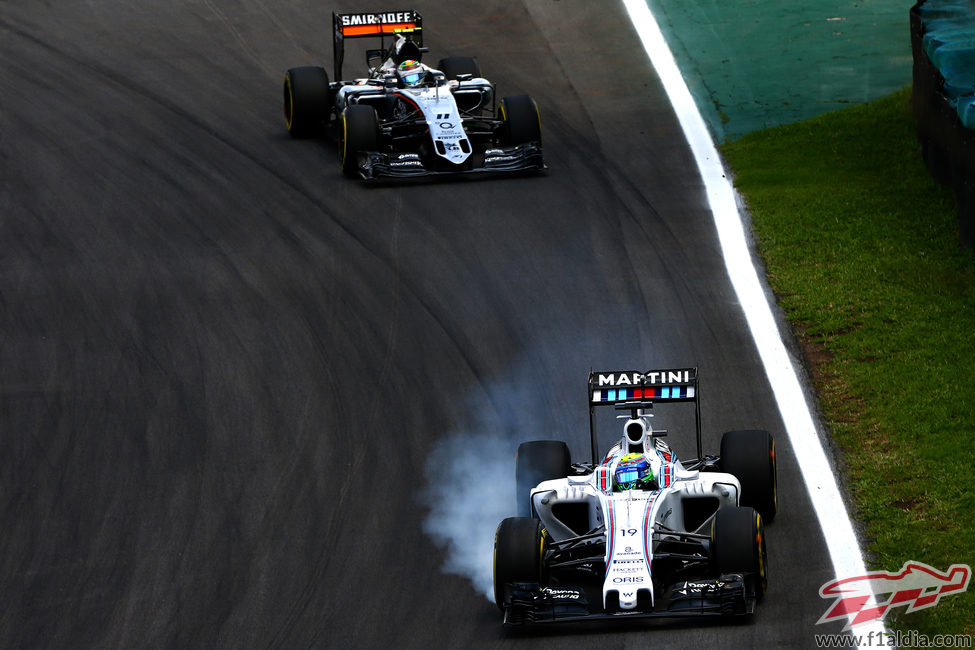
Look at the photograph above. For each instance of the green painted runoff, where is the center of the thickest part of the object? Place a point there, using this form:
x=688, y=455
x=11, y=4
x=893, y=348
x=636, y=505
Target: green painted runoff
x=755, y=64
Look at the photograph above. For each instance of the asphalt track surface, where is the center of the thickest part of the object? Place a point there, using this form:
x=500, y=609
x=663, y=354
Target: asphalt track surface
x=223, y=365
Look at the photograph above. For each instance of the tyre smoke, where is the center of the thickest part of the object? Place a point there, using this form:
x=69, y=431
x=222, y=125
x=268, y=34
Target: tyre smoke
x=470, y=474
x=471, y=488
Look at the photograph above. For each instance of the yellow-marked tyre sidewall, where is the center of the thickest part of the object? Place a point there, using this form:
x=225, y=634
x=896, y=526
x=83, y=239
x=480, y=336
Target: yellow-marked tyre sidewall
x=762, y=557
x=738, y=545
x=289, y=102
x=343, y=139
x=307, y=101
x=519, y=552
x=542, y=538
x=497, y=596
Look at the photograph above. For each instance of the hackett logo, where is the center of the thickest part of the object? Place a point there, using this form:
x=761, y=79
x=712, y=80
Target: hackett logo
x=638, y=378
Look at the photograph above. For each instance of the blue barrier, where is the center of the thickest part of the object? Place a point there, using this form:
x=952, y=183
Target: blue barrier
x=943, y=98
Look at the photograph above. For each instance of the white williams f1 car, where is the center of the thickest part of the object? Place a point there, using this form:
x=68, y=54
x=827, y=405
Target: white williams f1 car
x=405, y=118
x=637, y=532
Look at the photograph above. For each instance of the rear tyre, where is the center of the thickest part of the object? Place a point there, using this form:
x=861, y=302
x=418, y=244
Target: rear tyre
x=537, y=461
x=520, y=121
x=358, y=132
x=750, y=456
x=307, y=101
x=457, y=65
x=738, y=546
x=519, y=548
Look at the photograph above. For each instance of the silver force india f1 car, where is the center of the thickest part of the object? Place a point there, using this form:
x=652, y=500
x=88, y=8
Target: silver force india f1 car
x=406, y=119
x=637, y=532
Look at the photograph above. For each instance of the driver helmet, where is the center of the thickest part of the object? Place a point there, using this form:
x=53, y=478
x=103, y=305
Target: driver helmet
x=633, y=473
x=410, y=72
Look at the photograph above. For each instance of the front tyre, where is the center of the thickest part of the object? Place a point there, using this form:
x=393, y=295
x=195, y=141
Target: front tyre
x=358, y=132
x=519, y=549
x=307, y=101
x=520, y=121
x=738, y=546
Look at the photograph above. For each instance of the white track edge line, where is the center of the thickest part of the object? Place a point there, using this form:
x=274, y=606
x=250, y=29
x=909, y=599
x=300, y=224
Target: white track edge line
x=814, y=465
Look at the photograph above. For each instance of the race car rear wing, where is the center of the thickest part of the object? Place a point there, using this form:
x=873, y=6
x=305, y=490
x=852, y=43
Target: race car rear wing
x=382, y=24
x=629, y=389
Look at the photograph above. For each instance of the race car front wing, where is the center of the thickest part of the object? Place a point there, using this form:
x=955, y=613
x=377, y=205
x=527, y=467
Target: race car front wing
x=529, y=604
x=517, y=158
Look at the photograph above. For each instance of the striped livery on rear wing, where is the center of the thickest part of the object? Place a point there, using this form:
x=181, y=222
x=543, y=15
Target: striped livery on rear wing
x=625, y=388
x=631, y=386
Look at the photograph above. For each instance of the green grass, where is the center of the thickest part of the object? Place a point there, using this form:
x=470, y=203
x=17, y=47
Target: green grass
x=862, y=250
